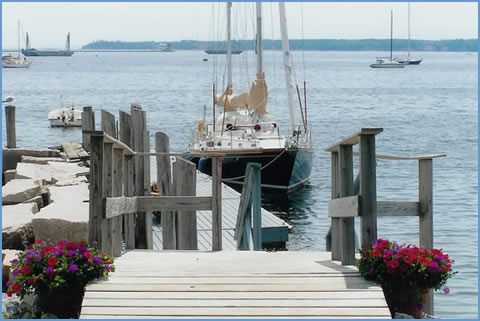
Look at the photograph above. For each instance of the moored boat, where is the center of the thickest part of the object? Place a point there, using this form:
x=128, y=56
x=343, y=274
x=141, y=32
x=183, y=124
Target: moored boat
x=65, y=116
x=32, y=52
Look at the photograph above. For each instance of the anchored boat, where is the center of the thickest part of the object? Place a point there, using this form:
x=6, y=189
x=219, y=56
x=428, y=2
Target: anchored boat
x=245, y=132
x=32, y=52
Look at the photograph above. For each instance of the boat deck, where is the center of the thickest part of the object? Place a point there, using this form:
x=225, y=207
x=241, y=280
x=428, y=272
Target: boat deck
x=232, y=284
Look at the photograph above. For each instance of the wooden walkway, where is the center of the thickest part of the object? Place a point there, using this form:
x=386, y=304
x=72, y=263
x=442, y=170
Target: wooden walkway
x=239, y=284
x=274, y=230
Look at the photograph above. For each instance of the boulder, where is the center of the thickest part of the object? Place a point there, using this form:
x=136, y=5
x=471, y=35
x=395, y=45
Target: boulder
x=9, y=175
x=19, y=191
x=66, y=217
x=17, y=225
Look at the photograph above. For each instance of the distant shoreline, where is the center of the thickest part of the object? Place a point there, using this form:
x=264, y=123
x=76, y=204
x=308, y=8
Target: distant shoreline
x=453, y=45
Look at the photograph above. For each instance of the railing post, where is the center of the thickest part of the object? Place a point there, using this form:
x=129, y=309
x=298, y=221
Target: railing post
x=347, y=239
x=107, y=224
x=10, y=125
x=162, y=145
x=257, y=206
x=107, y=121
x=336, y=222
x=117, y=190
x=184, y=175
x=88, y=124
x=368, y=190
x=425, y=193
x=96, y=191
x=217, y=203
x=147, y=190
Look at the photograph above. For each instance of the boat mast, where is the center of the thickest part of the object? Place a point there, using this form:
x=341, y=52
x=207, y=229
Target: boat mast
x=229, y=45
x=18, y=41
x=27, y=43
x=391, y=34
x=259, y=37
x=287, y=64
x=408, y=29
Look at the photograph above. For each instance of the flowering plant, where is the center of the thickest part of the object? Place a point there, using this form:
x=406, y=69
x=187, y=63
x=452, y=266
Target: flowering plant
x=45, y=266
x=389, y=264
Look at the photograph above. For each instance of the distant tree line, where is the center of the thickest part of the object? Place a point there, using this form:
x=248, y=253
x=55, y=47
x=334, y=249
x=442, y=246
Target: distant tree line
x=307, y=44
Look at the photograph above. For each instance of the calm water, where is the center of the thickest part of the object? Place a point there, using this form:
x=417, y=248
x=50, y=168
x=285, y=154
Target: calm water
x=431, y=108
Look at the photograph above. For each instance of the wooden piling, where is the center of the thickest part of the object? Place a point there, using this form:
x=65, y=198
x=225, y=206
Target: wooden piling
x=96, y=191
x=162, y=145
x=108, y=123
x=216, y=204
x=88, y=124
x=336, y=222
x=10, y=125
x=117, y=190
x=347, y=239
x=107, y=225
x=125, y=135
x=184, y=175
x=368, y=190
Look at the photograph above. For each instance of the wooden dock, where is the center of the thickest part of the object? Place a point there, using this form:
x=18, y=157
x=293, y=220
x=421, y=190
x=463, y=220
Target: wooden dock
x=274, y=230
x=232, y=284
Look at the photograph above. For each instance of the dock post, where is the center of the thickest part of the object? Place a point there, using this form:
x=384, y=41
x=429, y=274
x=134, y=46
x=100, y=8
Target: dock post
x=164, y=183
x=117, y=191
x=217, y=203
x=10, y=125
x=88, y=124
x=125, y=134
x=425, y=193
x=335, y=231
x=96, y=192
x=107, y=224
x=138, y=127
x=347, y=224
x=368, y=190
x=185, y=182
x=108, y=123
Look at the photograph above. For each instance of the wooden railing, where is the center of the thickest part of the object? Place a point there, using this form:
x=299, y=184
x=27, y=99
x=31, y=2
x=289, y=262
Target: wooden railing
x=248, y=230
x=120, y=203
x=345, y=206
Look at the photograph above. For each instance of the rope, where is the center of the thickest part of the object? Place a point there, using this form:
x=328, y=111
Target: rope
x=266, y=165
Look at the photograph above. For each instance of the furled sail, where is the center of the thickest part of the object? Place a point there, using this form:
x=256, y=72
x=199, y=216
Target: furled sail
x=256, y=97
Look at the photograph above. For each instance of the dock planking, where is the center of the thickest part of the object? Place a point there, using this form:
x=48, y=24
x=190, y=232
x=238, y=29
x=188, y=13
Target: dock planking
x=274, y=230
x=232, y=284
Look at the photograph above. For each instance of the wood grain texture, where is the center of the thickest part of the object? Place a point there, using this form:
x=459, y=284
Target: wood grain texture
x=10, y=122
x=88, y=124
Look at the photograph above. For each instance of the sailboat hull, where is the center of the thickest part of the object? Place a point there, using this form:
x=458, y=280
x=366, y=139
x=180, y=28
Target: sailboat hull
x=47, y=53
x=283, y=170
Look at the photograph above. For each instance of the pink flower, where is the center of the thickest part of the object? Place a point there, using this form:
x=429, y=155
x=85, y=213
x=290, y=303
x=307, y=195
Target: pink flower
x=446, y=290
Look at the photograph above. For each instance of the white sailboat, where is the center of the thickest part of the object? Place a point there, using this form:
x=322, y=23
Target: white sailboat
x=388, y=62
x=65, y=116
x=245, y=132
x=408, y=60
x=16, y=62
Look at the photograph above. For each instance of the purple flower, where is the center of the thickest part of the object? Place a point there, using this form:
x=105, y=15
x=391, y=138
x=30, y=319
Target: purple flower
x=420, y=306
x=107, y=267
x=60, y=252
x=446, y=290
x=371, y=272
x=49, y=270
x=71, y=253
x=96, y=260
x=14, y=261
x=9, y=282
x=72, y=268
x=16, y=271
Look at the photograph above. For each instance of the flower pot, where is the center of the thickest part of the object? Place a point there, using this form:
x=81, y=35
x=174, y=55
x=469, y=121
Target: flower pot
x=65, y=303
x=405, y=300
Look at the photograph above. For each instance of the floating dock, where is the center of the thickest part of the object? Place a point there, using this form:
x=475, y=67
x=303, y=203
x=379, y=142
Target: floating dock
x=232, y=284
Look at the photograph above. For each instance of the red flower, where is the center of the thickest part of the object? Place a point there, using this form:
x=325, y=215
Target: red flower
x=87, y=255
x=394, y=264
x=31, y=281
x=446, y=268
x=9, y=293
x=376, y=253
x=383, y=244
x=52, y=261
x=390, y=270
x=16, y=288
x=38, y=242
x=410, y=259
x=25, y=270
x=424, y=261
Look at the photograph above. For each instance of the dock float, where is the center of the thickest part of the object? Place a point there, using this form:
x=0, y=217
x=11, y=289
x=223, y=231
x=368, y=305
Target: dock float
x=274, y=230
x=232, y=284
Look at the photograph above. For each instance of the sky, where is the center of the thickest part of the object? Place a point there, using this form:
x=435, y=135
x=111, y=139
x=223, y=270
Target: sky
x=48, y=22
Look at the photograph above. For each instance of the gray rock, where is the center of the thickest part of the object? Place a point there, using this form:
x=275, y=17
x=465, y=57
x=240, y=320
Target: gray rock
x=53, y=173
x=66, y=217
x=9, y=175
x=19, y=191
x=17, y=225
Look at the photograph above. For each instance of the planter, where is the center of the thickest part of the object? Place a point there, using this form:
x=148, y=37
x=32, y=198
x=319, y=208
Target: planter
x=65, y=303
x=405, y=300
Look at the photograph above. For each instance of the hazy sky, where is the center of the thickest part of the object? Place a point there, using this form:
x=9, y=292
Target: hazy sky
x=49, y=22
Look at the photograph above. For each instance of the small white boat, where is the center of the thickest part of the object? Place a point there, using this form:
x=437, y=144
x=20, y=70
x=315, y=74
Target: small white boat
x=15, y=62
x=66, y=116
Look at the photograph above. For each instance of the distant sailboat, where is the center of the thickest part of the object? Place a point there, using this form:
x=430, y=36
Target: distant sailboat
x=382, y=62
x=408, y=60
x=16, y=62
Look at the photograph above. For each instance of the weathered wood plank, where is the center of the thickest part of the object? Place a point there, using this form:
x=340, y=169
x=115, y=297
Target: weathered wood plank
x=96, y=191
x=164, y=183
x=117, y=191
x=217, y=203
x=88, y=124
x=335, y=228
x=401, y=157
x=129, y=218
x=147, y=190
x=108, y=123
x=346, y=189
x=368, y=191
x=107, y=225
x=397, y=208
x=125, y=128
x=184, y=178
x=344, y=207
x=354, y=139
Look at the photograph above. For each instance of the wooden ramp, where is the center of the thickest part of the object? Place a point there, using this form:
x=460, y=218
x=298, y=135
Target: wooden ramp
x=232, y=284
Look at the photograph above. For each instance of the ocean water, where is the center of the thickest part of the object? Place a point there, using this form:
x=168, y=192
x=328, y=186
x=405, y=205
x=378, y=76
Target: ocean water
x=425, y=109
